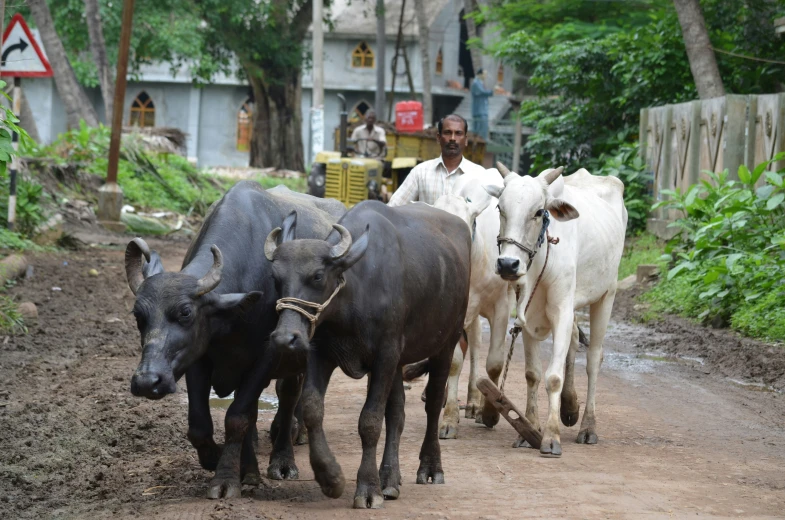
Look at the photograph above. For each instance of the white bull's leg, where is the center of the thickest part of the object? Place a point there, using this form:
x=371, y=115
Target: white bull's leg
x=448, y=429
x=562, y=322
x=531, y=349
x=474, y=334
x=570, y=407
x=599, y=315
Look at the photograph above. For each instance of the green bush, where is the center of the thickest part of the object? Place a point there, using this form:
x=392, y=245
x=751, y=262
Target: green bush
x=730, y=249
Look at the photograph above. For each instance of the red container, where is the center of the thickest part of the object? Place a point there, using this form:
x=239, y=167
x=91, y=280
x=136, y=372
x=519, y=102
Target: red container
x=408, y=116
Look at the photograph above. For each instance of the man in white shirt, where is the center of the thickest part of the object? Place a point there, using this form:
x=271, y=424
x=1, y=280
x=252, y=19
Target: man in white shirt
x=430, y=180
x=370, y=140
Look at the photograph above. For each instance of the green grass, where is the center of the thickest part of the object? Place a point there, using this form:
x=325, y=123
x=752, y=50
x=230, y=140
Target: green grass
x=15, y=241
x=764, y=319
x=642, y=249
x=11, y=321
x=299, y=184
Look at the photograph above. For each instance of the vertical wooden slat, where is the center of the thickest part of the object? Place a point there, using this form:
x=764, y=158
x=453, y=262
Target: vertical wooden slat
x=694, y=152
x=736, y=113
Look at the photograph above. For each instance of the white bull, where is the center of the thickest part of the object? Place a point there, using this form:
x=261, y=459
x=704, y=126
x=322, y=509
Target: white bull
x=489, y=296
x=581, y=270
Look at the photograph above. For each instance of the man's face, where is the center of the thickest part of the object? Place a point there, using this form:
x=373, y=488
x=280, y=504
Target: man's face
x=453, y=138
x=370, y=120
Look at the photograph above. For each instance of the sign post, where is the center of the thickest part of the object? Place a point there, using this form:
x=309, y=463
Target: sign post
x=21, y=57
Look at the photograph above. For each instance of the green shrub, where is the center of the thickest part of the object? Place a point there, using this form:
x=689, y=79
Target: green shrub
x=642, y=249
x=11, y=321
x=730, y=249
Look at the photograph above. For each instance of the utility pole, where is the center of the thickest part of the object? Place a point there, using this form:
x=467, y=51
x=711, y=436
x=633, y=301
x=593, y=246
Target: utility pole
x=317, y=101
x=381, y=44
x=110, y=195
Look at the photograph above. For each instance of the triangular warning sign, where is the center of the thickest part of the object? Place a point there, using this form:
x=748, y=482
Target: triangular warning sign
x=21, y=55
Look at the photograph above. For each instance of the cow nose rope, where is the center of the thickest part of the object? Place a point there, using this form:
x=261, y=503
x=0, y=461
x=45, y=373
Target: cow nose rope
x=297, y=304
x=516, y=330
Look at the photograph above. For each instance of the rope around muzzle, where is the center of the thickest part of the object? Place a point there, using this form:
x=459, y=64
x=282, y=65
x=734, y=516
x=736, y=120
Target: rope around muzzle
x=296, y=304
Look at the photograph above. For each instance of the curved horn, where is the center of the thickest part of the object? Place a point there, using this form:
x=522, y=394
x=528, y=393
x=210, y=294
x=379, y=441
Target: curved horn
x=503, y=169
x=342, y=247
x=210, y=281
x=133, y=262
x=271, y=244
x=553, y=175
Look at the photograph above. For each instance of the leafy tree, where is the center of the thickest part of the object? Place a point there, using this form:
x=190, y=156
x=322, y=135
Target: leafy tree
x=265, y=40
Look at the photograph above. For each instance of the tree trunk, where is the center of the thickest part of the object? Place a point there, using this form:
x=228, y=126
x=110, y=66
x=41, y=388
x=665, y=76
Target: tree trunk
x=703, y=63
x=77, y=106
x=98, y=48
x=469, y=6
x=422, y=24
x=277, y=123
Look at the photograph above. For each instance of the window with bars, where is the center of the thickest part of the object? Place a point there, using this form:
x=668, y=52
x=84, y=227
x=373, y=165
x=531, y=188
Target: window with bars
x=362, y=56
x=244, y=127
x=142, y=111
x=439, y=62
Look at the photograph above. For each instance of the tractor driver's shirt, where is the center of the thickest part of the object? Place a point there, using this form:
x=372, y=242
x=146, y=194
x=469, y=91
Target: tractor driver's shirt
x=369, y=148
x=430, y=180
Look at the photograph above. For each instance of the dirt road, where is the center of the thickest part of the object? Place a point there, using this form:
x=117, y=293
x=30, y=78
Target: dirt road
x=676, y=439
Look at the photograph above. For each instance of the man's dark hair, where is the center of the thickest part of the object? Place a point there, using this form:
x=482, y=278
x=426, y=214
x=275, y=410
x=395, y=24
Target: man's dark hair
x=480, y=71
x=454, y=117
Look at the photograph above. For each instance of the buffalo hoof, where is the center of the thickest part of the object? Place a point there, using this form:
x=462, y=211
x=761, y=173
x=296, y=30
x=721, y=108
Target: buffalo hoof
x=520, y=442
x=472, y=410
x=331, y=482
x=550, y=448
x=391, y=482
x=282, y=469
x=367, y=498
x=302, y=437
x=586, y=437
x=252, y=478
x=209, y=456
x=224, y=488
x=448, y=431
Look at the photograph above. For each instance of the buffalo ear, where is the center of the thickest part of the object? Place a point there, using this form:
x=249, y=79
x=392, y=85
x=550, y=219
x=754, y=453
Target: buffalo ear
x=289, y=227
x=154, y=266
x=561, y=210
x=239, y=303
x=356, y=251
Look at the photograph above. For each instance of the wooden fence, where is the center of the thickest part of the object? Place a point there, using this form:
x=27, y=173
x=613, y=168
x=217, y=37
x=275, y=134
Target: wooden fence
x=679, y=142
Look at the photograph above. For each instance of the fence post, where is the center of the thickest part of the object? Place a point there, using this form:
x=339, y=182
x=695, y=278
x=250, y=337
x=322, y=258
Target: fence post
x=750, y=141
x=666, y=163
x=736, y=112
x=643, y=136
x=694, y=158
x=779, y=145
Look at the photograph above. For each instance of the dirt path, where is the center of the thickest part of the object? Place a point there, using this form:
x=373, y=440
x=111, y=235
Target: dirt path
x=675, y=440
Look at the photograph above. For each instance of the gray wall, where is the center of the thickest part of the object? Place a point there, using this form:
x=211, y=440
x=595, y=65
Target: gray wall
x=219, y=106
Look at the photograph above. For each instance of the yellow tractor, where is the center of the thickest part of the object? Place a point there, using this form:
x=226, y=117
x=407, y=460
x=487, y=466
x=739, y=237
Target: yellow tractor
x=350, y=177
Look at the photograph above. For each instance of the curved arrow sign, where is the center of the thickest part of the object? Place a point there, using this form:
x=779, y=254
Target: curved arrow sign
x=21, y=56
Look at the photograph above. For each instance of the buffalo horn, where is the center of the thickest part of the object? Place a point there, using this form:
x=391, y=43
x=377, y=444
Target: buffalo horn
x=553, y=175
x=133, y=262
x=210, y=281
x=342, y=247
x=502, y=169
x=271, y=244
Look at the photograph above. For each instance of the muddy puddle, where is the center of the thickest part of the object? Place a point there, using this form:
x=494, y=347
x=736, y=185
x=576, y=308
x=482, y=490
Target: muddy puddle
x=267, y=402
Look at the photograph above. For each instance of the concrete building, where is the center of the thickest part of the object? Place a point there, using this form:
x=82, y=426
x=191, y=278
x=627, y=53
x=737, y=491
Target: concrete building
x=217, y=117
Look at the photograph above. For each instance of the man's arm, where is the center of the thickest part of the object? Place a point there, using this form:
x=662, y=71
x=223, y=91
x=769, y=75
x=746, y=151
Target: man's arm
x=407, y=192
x=478, y=89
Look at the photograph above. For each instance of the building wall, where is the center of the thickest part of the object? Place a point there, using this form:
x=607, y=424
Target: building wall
x=219, y=106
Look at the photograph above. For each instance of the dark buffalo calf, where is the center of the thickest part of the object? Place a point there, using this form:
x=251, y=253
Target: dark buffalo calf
x=405, y=295
x=212, y=322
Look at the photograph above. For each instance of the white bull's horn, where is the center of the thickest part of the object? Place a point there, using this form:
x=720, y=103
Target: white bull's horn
x=553, y=175
x=502, y=169
x=134, y=251
x=210, y=281
x=342, y=247
x=271, y=244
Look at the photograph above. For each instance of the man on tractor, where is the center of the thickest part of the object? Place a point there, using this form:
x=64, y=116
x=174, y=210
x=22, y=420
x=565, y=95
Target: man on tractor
x=370, y=139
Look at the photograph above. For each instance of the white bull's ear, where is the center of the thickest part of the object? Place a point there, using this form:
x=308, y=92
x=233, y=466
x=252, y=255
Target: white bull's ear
x=493, y=190
x=561, y=210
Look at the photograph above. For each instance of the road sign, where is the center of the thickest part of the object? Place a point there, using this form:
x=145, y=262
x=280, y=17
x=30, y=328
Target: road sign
x=21, y=55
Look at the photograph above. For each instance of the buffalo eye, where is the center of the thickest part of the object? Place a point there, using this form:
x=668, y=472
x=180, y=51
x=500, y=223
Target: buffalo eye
x=185, y=314
x=318, y=277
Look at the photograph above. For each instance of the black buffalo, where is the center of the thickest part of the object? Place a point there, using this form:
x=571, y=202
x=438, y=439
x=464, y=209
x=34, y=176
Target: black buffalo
x=212, y=322
x=404, y=299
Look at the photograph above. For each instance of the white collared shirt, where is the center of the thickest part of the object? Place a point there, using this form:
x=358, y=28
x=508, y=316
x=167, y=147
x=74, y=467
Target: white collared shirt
x=430, y=180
